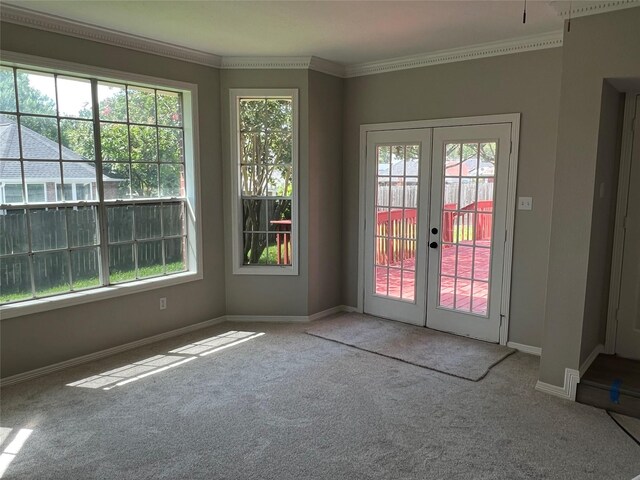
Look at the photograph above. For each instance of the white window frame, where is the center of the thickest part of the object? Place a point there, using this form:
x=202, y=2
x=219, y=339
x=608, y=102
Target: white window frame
x=236, y=211
x=192, y=180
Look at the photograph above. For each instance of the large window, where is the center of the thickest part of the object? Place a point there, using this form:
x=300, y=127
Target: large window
x=265, y=163
x=97, y=180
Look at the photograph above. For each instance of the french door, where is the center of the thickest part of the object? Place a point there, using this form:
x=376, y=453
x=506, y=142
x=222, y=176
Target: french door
x=435, y=225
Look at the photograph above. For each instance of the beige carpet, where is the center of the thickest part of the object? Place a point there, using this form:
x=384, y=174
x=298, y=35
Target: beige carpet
x=458, y=356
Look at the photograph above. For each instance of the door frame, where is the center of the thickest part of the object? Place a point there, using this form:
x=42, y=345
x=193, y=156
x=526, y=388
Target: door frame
x=510, y=118
x=621, y=213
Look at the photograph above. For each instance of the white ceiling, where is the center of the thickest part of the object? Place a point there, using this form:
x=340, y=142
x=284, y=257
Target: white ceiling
x=345, y=32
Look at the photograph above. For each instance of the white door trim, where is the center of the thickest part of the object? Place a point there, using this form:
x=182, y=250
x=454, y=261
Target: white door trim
x=621, y=212
x=511, y=118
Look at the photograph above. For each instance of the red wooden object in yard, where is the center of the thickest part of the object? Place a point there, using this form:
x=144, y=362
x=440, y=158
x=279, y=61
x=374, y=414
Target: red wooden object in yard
x=283, y=239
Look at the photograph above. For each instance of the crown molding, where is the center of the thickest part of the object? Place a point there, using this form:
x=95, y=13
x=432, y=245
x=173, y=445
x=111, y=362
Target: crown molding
x=472, y=52
x=582, y=10
x=286, y=63
x=31, y=18
x=56, y=24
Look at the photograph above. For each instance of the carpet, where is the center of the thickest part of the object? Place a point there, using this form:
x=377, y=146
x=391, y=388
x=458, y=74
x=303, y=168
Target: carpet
x=290, y=406
x=631, y=425
x=458, y=356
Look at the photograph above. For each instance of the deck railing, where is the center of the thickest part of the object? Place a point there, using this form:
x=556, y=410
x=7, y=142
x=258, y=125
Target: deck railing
x=396, y=232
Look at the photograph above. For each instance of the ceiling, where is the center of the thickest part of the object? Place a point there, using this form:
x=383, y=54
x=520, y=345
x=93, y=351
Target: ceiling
x=345, y=32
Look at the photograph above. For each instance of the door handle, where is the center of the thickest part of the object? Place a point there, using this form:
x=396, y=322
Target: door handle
x=433, y=245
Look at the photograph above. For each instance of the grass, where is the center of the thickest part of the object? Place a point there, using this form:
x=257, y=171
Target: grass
x=118, y=276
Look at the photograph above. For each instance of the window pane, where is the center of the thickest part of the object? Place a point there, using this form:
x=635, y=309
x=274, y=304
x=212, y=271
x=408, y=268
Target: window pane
x=15, y=279
x=114, y=142
x=116, y=180
x=8, y=97
x=10, y=144
x=280, y=181
x=171, y=147
x=278, y=114
x=77, y=140
x=32, y=131
x=36, y=172
x=122, y=266
x=112, y=102
x=85, y=268
x=150, y=259
x=148, y=220
x=83, y=226
x=172, y=181
x=253, y=148
x=142, y=105
x=78, y=173
x=255, y=246
x=280, y=148
x=51, y=273
x=74, y=97
x=174, y=254
x=10, y=178
x=279, y=212
x=120, y=223
x=48, y=229
x=13, y=232
x=144, y=180
x=144, y=143
x=36, y=93
x=169, y=108
x=173, y=219
x=254, y=215
x=251, y=114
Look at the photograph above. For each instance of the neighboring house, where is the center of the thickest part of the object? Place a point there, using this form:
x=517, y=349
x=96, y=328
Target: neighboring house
x=43, y=179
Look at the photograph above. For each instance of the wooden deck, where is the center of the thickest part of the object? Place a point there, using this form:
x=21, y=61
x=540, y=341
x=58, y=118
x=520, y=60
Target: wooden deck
x=401, y=278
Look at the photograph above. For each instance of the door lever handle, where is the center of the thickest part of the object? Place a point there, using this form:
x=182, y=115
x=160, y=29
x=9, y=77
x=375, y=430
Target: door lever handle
x=433, y=245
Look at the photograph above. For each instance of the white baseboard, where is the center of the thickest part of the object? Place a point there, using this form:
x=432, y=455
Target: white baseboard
x=290, y=318
x=568, y=391
x=589, y=360
x=521, y=347
x=38, y=372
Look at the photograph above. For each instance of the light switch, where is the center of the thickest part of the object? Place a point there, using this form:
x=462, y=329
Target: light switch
x=525, y=203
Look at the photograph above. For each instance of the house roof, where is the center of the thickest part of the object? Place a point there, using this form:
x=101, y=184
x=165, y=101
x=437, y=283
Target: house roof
x=38, y=147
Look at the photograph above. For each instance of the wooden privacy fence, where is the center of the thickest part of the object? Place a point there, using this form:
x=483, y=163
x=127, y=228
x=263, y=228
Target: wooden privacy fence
x=49, y=232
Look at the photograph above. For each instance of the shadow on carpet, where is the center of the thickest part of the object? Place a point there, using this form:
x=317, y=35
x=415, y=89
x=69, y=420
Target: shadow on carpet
x=458, y=356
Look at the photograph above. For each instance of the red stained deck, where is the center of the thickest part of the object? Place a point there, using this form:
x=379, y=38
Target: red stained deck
x=468, y=295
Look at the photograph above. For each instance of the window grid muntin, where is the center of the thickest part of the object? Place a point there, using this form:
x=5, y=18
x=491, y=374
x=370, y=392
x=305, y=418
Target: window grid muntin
x=266, y=131
x=100, y=203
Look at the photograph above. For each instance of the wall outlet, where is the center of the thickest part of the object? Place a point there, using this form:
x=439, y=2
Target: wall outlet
x=525, y=203
x=163, y=303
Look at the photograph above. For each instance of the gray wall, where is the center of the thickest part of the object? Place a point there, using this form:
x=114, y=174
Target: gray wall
x=33, y=341
x=325, y=191
x=598, y=47
x=528, y=83
x=268, y=294
x=602, y=220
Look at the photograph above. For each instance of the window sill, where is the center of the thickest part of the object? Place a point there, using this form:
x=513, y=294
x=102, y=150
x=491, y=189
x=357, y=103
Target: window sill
x=264, y=270
x=86, y=296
